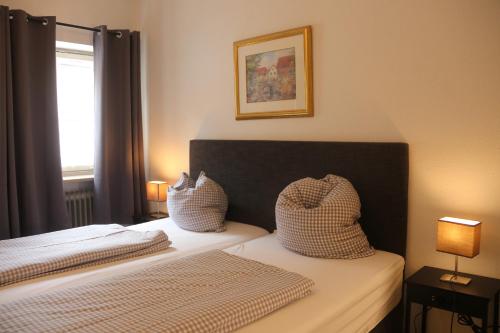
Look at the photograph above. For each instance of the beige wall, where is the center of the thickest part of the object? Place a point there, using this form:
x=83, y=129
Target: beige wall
x=424, y=72
x=118, y=14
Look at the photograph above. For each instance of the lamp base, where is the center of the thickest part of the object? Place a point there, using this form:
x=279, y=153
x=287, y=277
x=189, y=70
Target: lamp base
x=455, y=279
x=158, y=215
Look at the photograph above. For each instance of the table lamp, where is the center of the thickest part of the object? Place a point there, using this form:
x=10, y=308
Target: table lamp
x=459, y=237
x=157, y=192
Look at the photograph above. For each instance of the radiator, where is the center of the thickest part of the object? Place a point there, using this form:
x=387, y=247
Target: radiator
x=80, y=207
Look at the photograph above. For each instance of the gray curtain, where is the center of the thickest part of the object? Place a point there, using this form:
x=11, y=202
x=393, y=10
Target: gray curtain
x=31, y=193
x=119, y=179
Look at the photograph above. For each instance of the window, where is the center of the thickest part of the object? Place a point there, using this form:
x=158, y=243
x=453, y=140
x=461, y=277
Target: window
x=75, y=102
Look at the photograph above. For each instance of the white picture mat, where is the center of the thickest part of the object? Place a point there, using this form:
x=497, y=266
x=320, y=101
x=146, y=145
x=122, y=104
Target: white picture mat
x=299, y=103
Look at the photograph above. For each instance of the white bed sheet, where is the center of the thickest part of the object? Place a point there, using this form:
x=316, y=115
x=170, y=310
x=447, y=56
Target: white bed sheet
x=184, y=243
x=348, y=296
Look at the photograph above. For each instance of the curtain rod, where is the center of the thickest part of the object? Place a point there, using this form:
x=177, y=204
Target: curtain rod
x=44, y=21
x=116, y=33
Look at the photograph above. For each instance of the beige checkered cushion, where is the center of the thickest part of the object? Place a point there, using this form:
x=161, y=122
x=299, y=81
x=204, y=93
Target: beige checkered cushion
x=184, y=182
x=319, y=218
x=199, y=206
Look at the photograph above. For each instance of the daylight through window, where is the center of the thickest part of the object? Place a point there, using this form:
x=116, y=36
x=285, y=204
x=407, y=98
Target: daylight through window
x=75, y=101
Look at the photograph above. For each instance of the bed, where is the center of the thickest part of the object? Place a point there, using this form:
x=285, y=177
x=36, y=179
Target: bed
x=350, y=295
x=253, y=173
x=184, y=243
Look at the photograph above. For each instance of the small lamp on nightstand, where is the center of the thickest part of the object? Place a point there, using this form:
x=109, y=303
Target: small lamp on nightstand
x=461, y=238
x=157, y=192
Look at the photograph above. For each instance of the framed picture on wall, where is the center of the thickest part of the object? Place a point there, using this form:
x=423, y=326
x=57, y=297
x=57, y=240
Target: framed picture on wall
x=273, y=75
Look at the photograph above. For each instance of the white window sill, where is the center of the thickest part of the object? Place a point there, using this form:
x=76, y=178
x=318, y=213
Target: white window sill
x=78, y=179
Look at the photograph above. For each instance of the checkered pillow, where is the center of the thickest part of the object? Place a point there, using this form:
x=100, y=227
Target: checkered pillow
x=319, y=218
x=199, y=206
x=184, y=182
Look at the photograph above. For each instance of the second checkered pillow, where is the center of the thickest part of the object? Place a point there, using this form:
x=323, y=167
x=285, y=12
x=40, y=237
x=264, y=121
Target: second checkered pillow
x=199, y=206
x=319, y=218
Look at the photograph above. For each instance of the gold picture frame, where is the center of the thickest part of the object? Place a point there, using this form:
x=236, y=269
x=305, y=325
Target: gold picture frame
x=274, y=75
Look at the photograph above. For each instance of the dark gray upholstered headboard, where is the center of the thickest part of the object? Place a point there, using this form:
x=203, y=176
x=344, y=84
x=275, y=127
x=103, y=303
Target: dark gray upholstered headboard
x=253, y=173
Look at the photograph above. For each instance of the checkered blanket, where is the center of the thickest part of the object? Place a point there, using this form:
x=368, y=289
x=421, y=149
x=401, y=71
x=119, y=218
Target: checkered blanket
x=54, y=252
x=208, y=292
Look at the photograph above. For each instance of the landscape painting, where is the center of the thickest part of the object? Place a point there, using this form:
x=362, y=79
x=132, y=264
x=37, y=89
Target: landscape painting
x=273, y=75
x=270, y=76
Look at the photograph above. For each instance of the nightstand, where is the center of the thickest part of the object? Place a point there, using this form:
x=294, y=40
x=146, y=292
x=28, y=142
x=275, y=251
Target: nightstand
x=149, y=218
x=425, y=288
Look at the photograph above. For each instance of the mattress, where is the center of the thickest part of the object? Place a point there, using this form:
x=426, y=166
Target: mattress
x=348, y=296
x=184, y=243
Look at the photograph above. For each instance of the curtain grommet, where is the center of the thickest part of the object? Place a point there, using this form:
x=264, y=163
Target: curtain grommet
x=11, y=17
x=45, y=21
x=119, y=34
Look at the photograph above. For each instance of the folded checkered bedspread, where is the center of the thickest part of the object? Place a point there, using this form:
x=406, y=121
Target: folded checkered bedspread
x=54, y=252
x=209, y=292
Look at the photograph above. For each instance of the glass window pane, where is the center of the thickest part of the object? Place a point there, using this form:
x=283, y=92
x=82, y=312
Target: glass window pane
x=75, y=101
